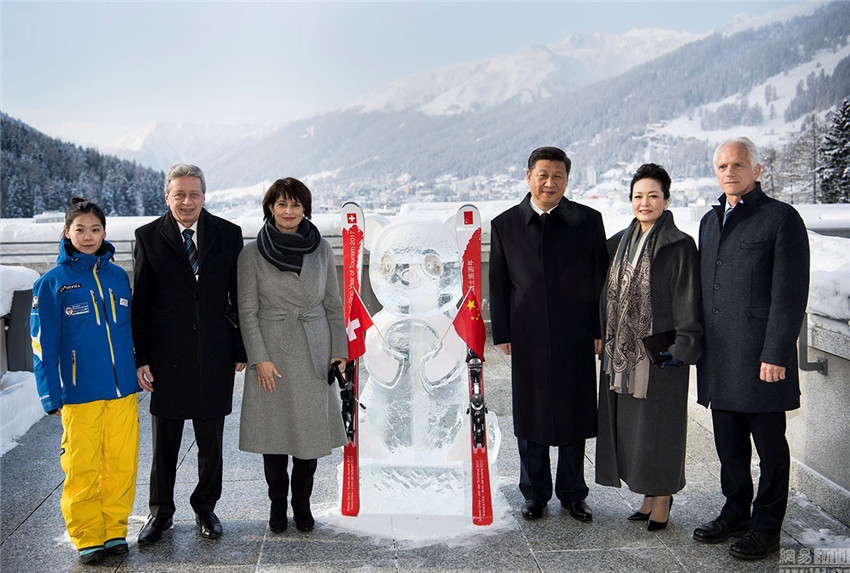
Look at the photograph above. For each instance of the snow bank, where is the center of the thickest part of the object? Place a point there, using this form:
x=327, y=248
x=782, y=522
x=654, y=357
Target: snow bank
x=829, y=288
x=20, y=407
x=12, y=279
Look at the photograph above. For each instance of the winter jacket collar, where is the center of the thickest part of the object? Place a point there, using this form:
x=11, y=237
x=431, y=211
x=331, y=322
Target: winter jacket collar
x=748, y=200
x=565, y=210
x=68, y=255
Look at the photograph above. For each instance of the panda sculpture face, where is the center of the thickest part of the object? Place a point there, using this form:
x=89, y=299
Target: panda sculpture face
x=414, y=268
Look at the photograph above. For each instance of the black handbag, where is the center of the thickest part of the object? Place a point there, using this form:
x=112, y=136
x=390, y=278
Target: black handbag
x=658, y=343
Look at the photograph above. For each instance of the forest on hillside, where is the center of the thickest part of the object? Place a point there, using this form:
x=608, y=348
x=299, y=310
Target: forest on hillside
x=39, y=173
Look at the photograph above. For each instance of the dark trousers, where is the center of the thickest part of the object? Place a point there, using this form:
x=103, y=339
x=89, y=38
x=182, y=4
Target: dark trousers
x=167, y=435
x=277, y=476
x=732, y=431
x=535, y=475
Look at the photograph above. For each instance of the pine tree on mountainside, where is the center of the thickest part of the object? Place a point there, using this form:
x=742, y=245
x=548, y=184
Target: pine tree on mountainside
x=834, y=151
x=40, y=173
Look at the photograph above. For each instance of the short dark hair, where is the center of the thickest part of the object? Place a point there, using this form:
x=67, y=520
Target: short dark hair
x=652, y=171
x=80, y=206
x=289, y=188
x=549, y=154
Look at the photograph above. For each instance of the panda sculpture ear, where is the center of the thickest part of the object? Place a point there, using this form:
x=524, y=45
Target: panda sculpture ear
x=374, y=224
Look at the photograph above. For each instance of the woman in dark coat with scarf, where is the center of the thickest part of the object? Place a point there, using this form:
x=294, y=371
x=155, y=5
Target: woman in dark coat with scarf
x=652, y=288
x=290, y=315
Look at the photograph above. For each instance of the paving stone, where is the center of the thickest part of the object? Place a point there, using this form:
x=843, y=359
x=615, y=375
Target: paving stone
x=31, y=522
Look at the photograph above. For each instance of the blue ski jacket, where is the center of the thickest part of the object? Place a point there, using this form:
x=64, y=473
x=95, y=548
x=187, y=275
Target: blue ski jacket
x=80, y=326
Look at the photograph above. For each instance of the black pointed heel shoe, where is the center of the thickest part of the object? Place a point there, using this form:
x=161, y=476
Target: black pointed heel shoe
x=639, y=515
x=658, y=525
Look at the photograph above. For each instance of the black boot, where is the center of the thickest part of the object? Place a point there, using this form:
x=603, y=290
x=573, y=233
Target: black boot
x=302, y=489
x=277, y=516
x=303, y=516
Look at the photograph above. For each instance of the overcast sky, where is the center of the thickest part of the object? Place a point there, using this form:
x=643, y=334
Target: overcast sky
x=92, y=72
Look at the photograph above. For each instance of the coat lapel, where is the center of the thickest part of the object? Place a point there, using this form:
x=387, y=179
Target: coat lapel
x=168, y=230
x=208, y=231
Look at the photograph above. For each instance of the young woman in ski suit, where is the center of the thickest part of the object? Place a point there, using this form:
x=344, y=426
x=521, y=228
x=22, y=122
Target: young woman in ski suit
x=85, y=373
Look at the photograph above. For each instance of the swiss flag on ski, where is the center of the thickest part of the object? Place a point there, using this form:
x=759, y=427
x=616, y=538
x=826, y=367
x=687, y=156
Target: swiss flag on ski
x=469, y=324
x=352, y=269
x=358, y=322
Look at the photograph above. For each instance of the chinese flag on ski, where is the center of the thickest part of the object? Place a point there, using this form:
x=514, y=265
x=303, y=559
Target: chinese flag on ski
x=359, y=322
x=469, y=324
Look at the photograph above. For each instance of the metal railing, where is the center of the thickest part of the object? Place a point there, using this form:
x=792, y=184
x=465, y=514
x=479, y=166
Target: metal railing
x=821, y=365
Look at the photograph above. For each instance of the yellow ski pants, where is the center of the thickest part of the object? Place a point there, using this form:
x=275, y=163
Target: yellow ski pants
x=100, y=456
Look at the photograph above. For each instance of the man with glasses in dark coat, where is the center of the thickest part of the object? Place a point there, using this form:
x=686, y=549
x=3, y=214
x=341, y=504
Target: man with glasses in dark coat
x=187, y=342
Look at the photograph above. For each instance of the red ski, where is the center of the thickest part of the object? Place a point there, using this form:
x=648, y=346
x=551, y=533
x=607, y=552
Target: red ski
x=352, y=263
x=468, y=231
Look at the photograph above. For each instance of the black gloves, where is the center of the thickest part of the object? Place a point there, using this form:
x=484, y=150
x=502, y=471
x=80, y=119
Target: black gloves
x=668, y=359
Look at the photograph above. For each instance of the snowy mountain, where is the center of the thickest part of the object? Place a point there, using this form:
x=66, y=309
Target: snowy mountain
x=607, y=100
x=529, y=74
x=161, y=145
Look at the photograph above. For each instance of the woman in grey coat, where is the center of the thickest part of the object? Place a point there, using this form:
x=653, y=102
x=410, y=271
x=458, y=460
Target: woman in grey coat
x=291, y=318
x=652, y=288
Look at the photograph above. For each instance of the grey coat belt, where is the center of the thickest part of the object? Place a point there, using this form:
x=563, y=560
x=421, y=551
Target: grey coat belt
x=315, y=323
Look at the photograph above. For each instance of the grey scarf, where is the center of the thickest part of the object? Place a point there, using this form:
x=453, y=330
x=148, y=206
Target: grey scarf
x=286, y=250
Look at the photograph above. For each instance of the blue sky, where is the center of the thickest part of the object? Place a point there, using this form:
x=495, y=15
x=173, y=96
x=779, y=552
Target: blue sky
x=91, y=72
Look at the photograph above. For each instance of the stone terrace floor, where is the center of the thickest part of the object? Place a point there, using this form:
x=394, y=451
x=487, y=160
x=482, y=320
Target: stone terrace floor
x=33, y=538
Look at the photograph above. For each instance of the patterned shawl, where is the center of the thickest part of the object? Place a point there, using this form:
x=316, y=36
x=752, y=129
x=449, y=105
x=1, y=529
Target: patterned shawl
x=628, y=311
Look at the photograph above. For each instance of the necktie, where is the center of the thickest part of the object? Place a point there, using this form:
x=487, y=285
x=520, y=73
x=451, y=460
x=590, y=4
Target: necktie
x=190, y=249
x=726, y=214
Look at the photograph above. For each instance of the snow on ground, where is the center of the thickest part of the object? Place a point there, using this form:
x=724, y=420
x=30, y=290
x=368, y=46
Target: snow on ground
x=829, y=288
x=20, y=407
x=414, y=531
x=12, y=279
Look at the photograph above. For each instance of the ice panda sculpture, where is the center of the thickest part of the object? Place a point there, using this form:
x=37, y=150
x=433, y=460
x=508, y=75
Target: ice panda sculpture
x=414, y=380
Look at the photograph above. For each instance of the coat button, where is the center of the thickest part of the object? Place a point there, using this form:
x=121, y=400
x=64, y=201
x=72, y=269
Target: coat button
x=194, y=326
x=715, y=311
x=719, y=263
x=716, y=286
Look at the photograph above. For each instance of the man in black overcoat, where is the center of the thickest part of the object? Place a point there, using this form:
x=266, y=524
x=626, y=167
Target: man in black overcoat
x=755, y=278
x=547, y=266
x=187, y=342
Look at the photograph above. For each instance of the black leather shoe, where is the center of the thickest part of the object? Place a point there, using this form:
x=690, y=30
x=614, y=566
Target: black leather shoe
x=152, y=531
x=277, y=517
x=578, y=510
x=638, y=516
x=208, y=525
x=533, y=509
x=719, y=530
x=755, y=545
